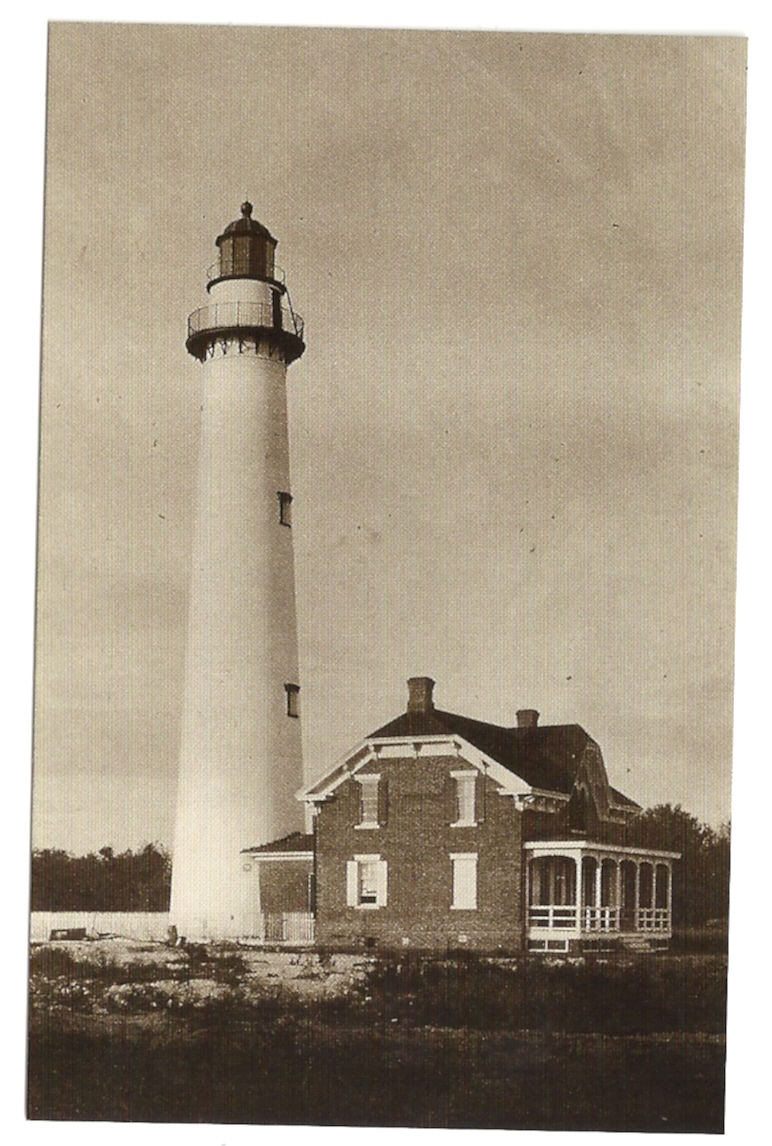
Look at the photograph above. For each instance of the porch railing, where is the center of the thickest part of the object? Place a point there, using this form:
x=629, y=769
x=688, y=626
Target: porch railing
x=600, y=918
x=653, y=919
x=556, y=918
x=553, y=917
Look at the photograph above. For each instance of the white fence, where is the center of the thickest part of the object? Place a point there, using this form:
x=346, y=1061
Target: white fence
x=289, y=927
x=127, y=924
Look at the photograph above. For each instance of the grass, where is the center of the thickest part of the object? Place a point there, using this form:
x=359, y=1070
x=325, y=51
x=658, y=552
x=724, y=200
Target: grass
x=602, y=996
x=309, y=1073
x=634, y=1044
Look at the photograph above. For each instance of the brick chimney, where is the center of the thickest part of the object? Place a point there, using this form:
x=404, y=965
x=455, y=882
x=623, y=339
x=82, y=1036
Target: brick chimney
x=420, y=694
x=527, y=718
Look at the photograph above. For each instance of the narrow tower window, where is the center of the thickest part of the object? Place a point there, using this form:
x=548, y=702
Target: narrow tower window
x=285, y=508
x=293, y=699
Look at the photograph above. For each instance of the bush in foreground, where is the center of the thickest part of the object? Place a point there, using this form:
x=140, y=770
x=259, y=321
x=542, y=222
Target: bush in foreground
x=618, y=996
x=635, y=996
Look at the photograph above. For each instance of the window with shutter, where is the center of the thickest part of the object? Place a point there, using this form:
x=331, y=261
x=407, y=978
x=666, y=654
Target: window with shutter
x=368, y=801
x=367, y=882
x=466, y=790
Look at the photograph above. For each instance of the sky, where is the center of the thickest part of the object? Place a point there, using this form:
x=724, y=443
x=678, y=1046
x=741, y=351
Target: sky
x=514, y=429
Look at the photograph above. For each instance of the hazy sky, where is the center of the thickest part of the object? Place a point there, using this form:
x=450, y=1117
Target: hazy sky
x=514, y=430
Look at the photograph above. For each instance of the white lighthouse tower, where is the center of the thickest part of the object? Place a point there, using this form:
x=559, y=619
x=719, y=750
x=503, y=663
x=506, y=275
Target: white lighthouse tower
x=241, y=754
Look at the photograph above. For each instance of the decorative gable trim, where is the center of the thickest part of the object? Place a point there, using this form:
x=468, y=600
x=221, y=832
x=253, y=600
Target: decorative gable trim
x=325, y=786
x=374, y=751
x=618, y=811
x=591, y=776
x=539, y=801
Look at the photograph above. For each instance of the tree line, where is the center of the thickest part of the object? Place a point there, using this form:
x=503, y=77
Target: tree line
x=141, y=881
x=701, y=876
x=101, y=881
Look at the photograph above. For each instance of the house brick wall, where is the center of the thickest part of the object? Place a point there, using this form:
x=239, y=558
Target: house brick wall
x=415, y=837
x=284, y=886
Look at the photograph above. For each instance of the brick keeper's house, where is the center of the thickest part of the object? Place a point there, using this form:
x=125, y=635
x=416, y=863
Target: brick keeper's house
x=441, y=832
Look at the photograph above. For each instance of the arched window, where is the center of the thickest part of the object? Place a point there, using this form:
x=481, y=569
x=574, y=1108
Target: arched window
x=646, y=891
x=662, y=881
x=589, y=876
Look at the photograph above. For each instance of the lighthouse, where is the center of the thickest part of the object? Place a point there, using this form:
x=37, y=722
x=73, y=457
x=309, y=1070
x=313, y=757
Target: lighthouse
x=241, y=752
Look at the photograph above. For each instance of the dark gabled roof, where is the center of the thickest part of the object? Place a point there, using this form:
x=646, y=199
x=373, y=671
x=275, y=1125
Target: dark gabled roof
x=544, y=757
x=621, y=798
x=295, y=842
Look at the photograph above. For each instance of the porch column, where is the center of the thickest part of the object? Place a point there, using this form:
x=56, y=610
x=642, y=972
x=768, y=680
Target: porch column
x=259, y=898
x=598, y=889
x=578, y=891
x=637, y=894
x=527, y=911
x=618, y=882
x=669, y=866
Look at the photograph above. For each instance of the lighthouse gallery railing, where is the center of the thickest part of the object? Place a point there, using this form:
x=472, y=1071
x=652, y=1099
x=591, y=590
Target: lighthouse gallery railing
x=234, y=315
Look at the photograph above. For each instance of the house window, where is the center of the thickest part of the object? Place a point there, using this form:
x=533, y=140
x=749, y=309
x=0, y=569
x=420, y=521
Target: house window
x=285, y=508
x=366, y=882
x=466, y=783
x=464, y=881
x=368, y=801
x=293, y=699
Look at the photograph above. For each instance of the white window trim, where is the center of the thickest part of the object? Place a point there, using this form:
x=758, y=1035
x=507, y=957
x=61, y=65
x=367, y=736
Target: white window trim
x=353, y=877
x=468, y=857
x=372, y=779
x=466, y=775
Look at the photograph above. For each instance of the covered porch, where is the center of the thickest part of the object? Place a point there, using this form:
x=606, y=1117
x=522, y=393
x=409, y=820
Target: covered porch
x=580, y=893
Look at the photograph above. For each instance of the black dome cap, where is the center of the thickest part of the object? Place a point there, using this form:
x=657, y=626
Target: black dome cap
x=246, y=225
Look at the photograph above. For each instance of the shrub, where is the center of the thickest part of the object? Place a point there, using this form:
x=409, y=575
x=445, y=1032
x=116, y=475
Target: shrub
x=630, y=996
x=52, y=961
x=49, y=994
x=134, y=997
x=222, y=964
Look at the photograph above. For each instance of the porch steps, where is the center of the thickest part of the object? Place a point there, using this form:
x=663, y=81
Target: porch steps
x=635, y=943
